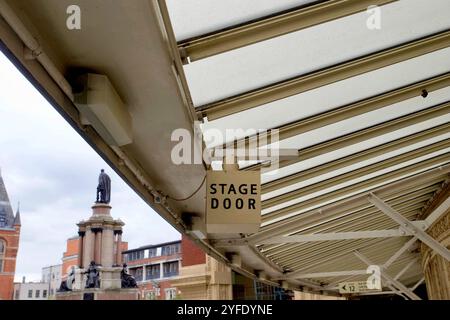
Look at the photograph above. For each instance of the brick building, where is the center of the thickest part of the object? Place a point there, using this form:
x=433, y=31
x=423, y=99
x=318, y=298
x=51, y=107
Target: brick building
x=178, y=270
x=70, y=256
x=154, y=267
x=9, y=243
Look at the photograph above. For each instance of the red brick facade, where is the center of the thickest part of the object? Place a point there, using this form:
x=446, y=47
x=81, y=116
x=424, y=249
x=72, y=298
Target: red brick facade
x=139, y=260
x=70, y=256
x=9, y=243
x=10, y=240
x=194, y=255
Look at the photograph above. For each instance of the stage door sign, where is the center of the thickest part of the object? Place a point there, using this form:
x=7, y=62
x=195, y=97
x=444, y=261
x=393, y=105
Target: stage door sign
x=233, y=201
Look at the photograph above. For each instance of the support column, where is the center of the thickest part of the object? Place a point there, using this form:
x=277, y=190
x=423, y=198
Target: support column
x=107, y=257
x=220, y=284
x=118, y=259
x=98, y=245
x=81, y=234
x=144, y=272
x=88, y=250
x=436, y=268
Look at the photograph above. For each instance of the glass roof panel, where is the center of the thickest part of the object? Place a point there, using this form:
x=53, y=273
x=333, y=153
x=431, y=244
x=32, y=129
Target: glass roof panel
x=330, y=156
x=351, y=167
x=317, y=47
x=366, y=120
x=271, y=209
x=329, y=97
x=354, y=181
x=191, y=18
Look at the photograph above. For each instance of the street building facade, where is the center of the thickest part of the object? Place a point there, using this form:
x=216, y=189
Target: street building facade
x=9, y=243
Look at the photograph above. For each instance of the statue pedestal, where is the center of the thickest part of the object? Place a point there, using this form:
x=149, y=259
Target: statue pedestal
x=109, y=278
x=99, y=294
x=110, y=287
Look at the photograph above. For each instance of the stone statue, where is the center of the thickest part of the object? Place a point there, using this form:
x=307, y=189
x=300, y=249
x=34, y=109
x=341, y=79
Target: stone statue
x=71, y=278
x=63, y=287
x=128, y=280
x=93, y=276
x=67, y=285
x=103, y=188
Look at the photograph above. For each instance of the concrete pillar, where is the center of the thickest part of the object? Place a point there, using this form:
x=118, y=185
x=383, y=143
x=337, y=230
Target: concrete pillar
x=119, y=250
x=107, y=259
x=144, y=273
x=436, y=268
x=220, y=284
x=88, y=250
x=98, y=245
x=80, y=248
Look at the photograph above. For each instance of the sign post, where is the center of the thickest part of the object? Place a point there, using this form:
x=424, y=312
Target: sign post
x=233, y=201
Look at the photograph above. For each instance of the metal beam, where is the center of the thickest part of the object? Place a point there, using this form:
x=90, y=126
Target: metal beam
x=267, y=28
x=417, y=284
x=348, y=111
x=358, y=220
x=337, y=255
x=388, y=278
x=367, y=184
x=279, y=251
x=332, y=236
x=324, y=77
x=326, y=274
x=355, y=158
x=370, y=132
x=387, y=264
x=337, y=236
x=366, y=133
x=304, y=255
x=438, y=212
x=398, y=253
x=350, y=204
x=405, y=268
x=357, y=173
x=408, y=225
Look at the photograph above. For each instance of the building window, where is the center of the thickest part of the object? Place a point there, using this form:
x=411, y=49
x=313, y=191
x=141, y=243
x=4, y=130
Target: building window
x=30, y=293
x=137, y=273
x=135, y=255
x=150, y=295
x=170, y=249
x=2, y=253
x=44, y=294
x=3, y=220
x=171, y=293
x=17, y=295
x=51, y=292
x=170, y=269
x=152, y=252
x=38, y=293
x=152, y=272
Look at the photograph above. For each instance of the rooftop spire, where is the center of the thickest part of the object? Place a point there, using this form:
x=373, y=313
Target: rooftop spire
x=17, y=221
x=6, y=212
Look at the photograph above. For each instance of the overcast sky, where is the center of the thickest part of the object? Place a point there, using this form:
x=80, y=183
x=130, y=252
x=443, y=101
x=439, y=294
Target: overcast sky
x=53, y=172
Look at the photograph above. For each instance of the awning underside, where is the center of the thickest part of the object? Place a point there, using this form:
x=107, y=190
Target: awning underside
x=368, y=110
